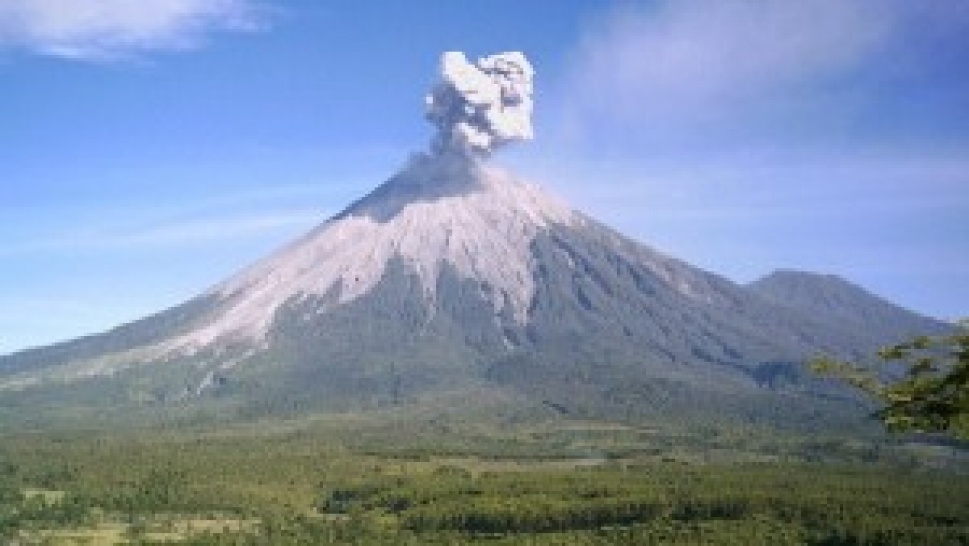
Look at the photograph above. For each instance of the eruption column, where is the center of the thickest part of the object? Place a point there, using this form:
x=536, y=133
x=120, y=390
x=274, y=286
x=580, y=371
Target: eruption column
x=479, y=107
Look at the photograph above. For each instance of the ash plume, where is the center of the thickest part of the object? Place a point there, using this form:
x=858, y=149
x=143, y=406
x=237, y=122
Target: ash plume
x=479, y=107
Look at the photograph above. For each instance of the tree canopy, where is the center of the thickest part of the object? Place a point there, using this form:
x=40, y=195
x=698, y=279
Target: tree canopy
x=932, y=395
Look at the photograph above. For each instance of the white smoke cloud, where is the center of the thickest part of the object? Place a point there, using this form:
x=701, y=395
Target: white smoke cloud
x=107, y=29
x=479, y=107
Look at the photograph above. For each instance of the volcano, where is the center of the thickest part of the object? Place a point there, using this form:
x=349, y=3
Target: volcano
x=457, y=285
x=455, y=276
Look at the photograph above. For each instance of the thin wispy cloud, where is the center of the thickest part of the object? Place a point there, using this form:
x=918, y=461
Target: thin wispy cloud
x=777, y=69
x=111, y=29
x=201, y=232
x=192, y=233
x=697, y=53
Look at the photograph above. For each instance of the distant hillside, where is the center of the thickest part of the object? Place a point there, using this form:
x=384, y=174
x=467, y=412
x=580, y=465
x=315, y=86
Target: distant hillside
x=832, y=298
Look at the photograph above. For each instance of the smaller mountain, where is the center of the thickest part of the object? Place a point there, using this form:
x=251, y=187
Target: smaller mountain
x=851, y=306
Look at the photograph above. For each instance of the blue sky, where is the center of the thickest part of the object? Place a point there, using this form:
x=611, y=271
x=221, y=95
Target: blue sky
x=149, y=149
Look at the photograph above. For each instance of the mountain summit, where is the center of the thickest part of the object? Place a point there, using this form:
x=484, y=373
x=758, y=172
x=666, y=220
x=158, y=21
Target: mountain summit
x=439, y=213
x=455, y=280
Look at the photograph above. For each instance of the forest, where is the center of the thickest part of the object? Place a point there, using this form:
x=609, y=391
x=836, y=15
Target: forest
x=329, y=483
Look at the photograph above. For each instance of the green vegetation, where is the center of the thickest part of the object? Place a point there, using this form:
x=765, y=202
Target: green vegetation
x=932, y=395
x=353, y=481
